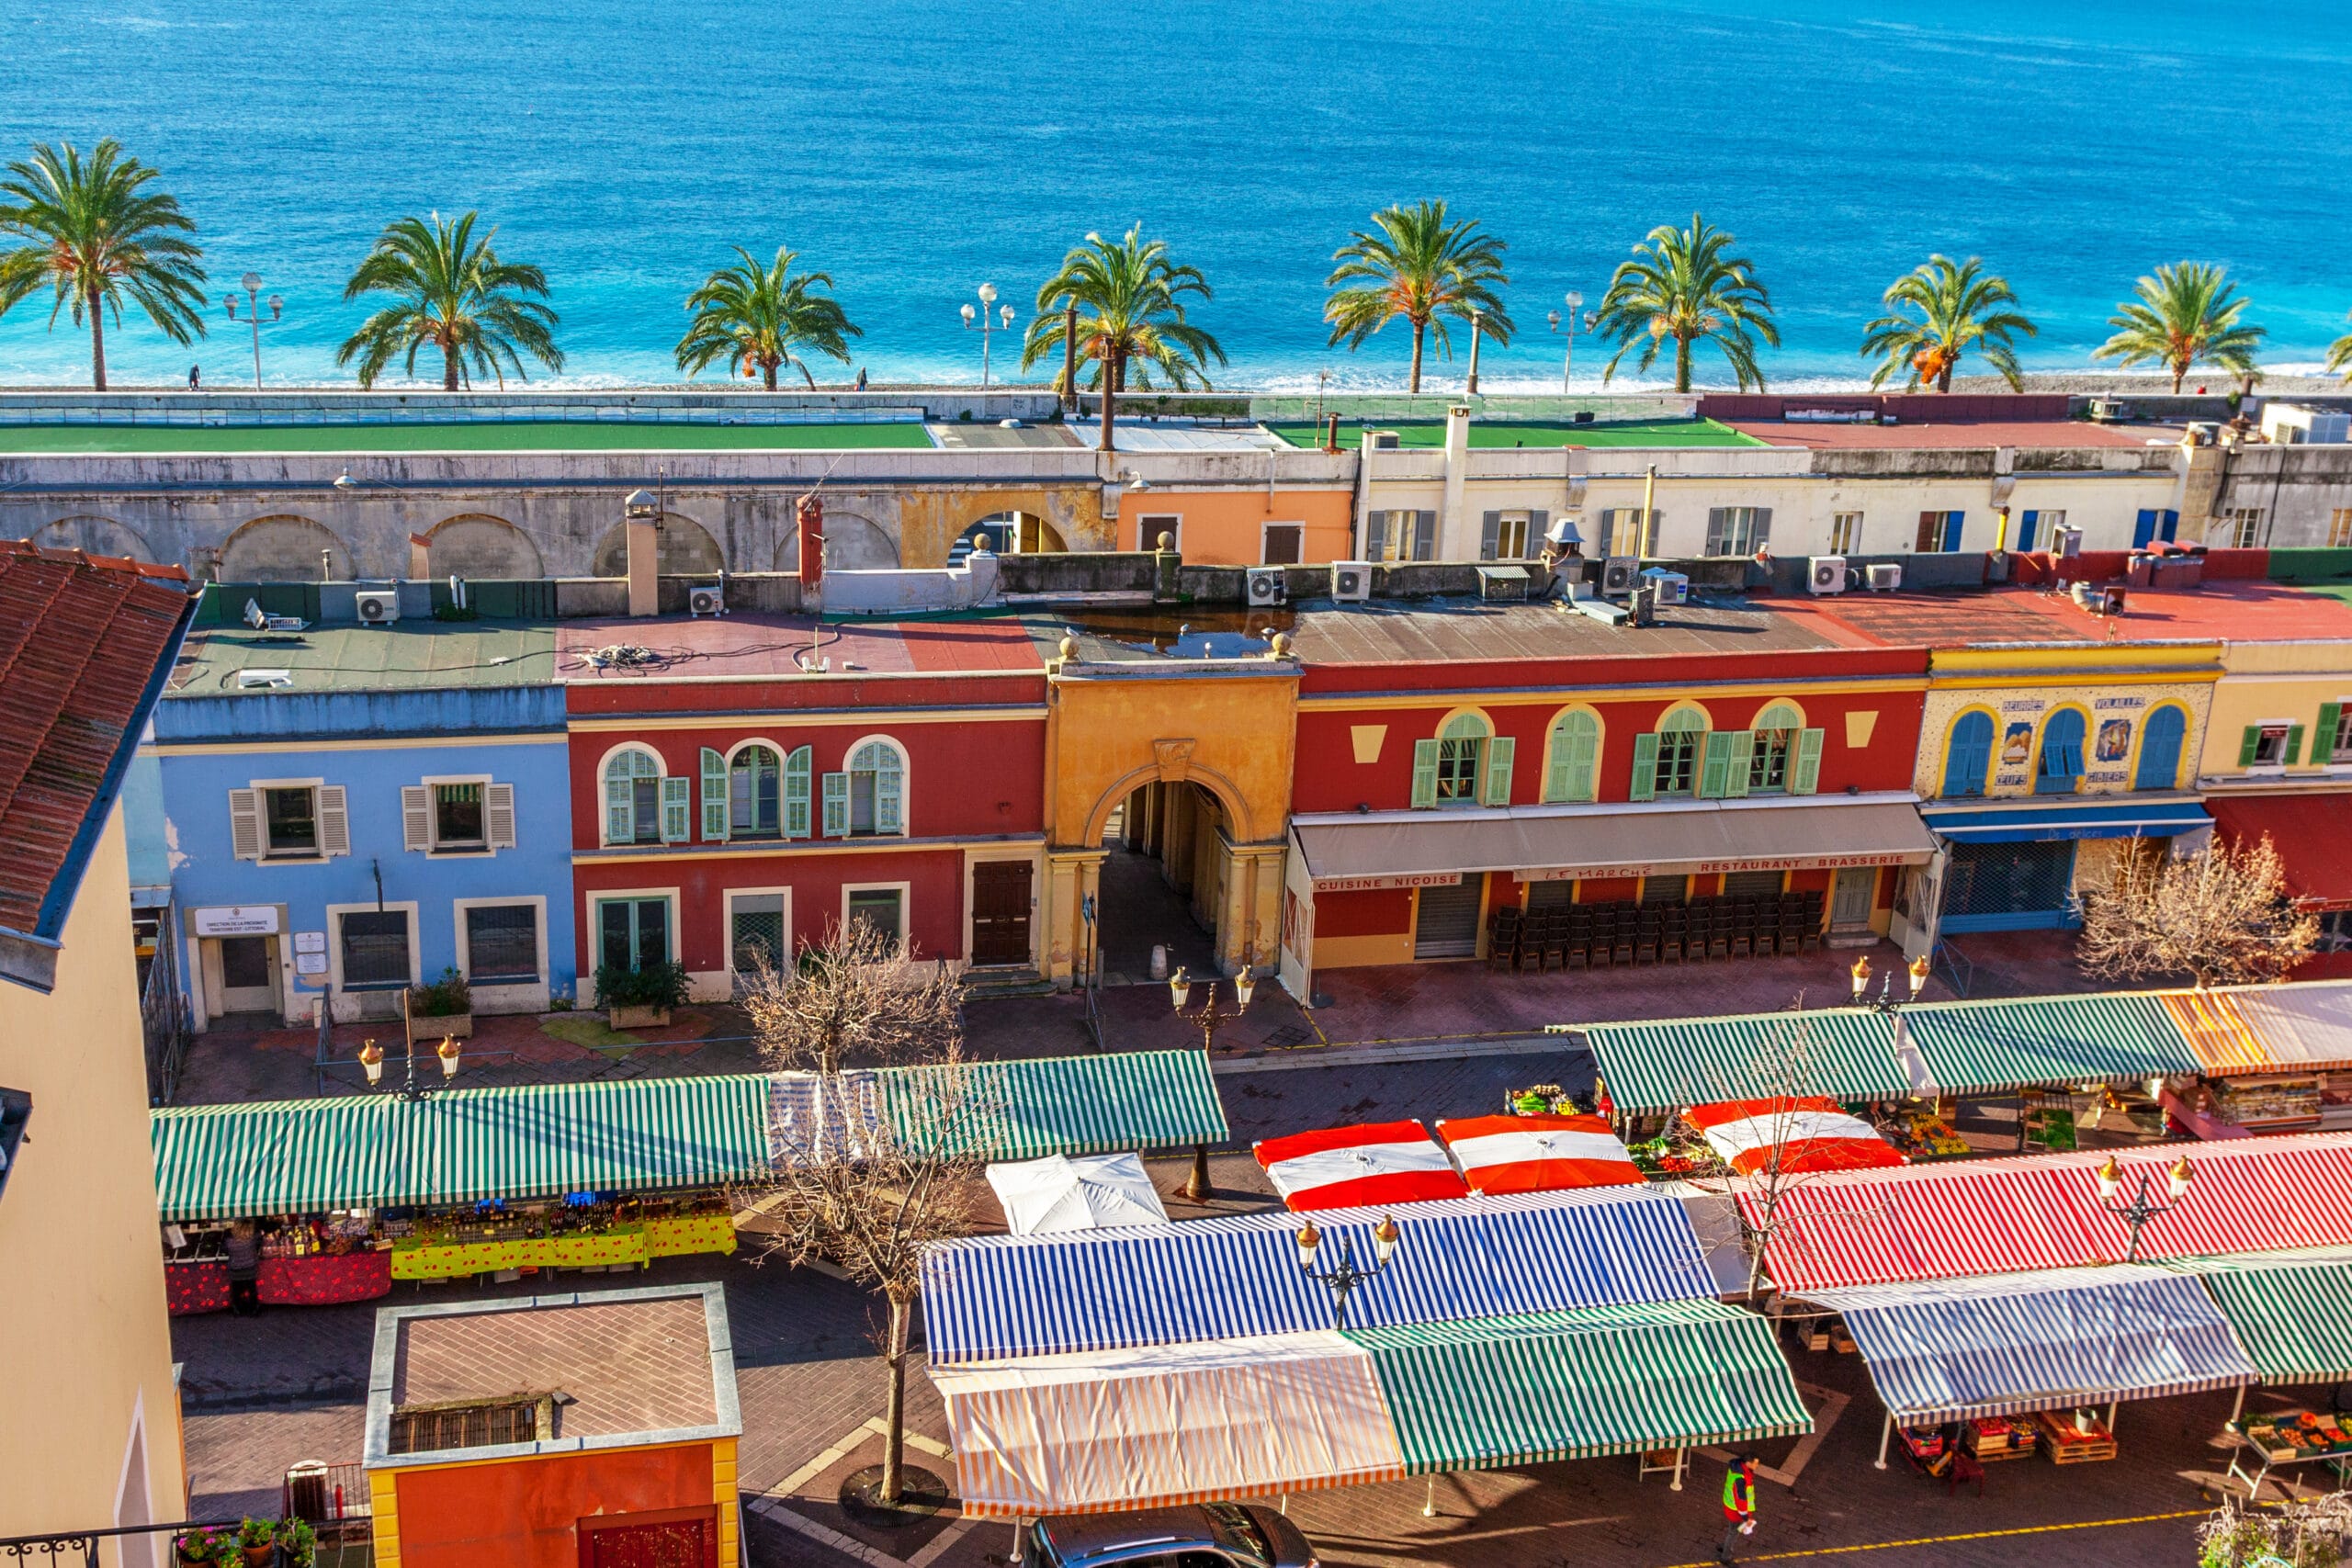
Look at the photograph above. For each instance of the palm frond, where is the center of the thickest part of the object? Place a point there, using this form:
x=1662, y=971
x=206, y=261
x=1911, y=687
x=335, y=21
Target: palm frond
x=1681, y=284
x=454, y=293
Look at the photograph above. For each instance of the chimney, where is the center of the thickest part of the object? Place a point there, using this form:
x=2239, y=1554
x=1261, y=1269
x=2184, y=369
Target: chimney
x=809, y=513
x=642, y=515
x=1457, y=539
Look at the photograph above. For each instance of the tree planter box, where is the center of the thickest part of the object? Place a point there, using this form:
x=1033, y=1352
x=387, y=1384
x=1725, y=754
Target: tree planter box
x=637, y=1017
x=447, y=1026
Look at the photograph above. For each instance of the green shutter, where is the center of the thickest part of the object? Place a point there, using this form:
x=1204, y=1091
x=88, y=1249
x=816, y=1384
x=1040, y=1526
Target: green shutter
x=1570, y=774
x=677, y=810
x=2248, y=744
x=2323, y=742
x=1424, y=773
x=1715, y=767
x=1644, y=769
x=1743, y=759
x=2294, y=744
x=714, y=796
x=620, y=802
x=1584, y=763
x=797, y=767
x=837, y=806
x=889, y=791
x=1499, y=760
x=1804, y=768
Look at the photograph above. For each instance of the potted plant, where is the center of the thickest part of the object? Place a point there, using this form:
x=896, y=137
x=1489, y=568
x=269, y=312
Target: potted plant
x=639, y=997
x=298, y=1541
x=256, y=1542
x=446, y=1006
x=199, y=1547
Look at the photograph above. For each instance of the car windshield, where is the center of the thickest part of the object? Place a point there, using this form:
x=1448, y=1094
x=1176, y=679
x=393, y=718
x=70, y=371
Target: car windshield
x=1238, y=1533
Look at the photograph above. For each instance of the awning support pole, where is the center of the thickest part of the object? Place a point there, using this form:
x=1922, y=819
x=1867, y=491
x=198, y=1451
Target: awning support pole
x=1429, y=1502
x=1286, y=1503
x=2112, y=1405
x=1681, y=1463
x=1885, y=1435
x=2238, y=1405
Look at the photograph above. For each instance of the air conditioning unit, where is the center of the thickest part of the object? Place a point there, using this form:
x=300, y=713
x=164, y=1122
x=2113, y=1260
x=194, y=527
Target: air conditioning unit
x=709, y=601
x=1885, y=576
x=1826, y=574
x=2108, y=409
x=1620, y=575
x=1670, y=587
x=1266, y=587
x=1383, y=440
x=1350, y=580
x=2066, y=543
x=1502, y=584
x=376, y=607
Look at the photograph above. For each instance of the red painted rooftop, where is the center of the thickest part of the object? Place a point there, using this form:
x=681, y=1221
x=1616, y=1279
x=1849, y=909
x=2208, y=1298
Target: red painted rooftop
x=1954, y=433
x=2233, y=611
x=765, y=646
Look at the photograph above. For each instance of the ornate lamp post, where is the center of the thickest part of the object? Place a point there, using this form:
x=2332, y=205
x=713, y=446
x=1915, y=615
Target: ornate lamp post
x=2142, y=1207
x=1179, y=991
x=1917, y=971
x=251, y=284
x=1568, y=357
x=991, y=317
x=1345, y=1275
x=371, y=1061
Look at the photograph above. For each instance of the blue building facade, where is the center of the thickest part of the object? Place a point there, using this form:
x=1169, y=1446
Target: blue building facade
x=351, y=811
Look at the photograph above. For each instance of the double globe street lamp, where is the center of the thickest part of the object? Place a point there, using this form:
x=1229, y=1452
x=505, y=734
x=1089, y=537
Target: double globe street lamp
x=1571, y=322
x=991, y=317
x=1179, y=991
x=2143, y=1205
x=1918, y=971
x=251, y=283
x=1344, y=1276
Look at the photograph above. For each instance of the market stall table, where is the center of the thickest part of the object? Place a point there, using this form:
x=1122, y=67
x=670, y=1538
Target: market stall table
x=196, y=1287
x=324, y=1279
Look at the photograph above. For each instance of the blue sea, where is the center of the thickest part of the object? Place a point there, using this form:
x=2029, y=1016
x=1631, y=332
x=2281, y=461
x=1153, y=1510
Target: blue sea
x=915, y=150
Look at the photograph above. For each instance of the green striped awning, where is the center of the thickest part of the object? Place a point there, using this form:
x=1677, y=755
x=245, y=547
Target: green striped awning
x=1984, y=1047
x=1070, y=1105
x=1846, y=1054
x=1489, y=1392
x=2292, y=1310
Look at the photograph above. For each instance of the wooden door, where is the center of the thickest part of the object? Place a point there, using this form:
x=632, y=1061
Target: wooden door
x=677, y=1538
x=1000, y=911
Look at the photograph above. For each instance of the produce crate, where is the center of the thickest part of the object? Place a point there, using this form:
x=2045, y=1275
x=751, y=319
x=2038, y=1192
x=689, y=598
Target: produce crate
x=2065, y=1445
x=1840, y=1340
x=1991, y=1441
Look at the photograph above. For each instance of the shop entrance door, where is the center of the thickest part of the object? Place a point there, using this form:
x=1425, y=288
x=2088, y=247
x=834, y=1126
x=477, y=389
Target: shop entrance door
x=677, y=1538
x=1000, y=911
x=248, y=974
x=1446, y=925
x=1849, y=900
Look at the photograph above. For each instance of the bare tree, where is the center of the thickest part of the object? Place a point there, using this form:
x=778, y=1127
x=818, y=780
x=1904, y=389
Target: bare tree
x=2224, y=916
x=2302, y=1532
x=872, y=1168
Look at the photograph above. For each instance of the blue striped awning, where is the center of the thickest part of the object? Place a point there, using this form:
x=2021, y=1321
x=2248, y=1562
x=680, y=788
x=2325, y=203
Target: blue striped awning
x=1237, y=1276
x=2002, y=1344
x=1846, y=1054
x=2109, y=817
x=1985, y=1047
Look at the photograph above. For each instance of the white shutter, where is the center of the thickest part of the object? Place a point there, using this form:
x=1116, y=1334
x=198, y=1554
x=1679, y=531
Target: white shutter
x=889, y=789
x=335, y=821
x=244, y=823
x=498, y=814
x=416, y=817
x=677, y=809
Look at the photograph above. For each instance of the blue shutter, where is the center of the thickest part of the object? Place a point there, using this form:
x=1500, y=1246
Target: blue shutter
x=1500, y=751
x=836, y=790
x=796, y=769
x=2025, y=537
x=1954, y=521
x=2172, y=526
x=714, y=796
x=2160, y=739
x=2144, y=528
x=1969, y=758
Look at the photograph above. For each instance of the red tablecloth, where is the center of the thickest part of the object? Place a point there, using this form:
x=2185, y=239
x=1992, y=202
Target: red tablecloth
x=323, y=1281
x=190, y=1288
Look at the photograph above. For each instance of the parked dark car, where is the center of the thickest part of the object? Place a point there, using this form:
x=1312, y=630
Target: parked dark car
x=1212, y=1535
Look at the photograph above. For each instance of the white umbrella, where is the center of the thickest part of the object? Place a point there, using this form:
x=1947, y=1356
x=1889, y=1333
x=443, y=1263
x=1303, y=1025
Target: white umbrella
x=1091, y=1192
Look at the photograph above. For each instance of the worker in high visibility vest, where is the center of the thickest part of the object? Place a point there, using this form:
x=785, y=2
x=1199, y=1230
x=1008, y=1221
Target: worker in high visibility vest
x=1739, y=1505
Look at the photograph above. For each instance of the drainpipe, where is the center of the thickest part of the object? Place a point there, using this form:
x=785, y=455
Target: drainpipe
x=1645, y=525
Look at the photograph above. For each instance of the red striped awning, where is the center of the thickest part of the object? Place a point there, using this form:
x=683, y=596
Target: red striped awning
x=2043, y=1212
x=1790, y=1136
x=1537, y=1153
x=1368, y=1164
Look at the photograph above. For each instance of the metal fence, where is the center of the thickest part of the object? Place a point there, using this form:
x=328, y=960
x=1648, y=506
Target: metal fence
x=163, y=1007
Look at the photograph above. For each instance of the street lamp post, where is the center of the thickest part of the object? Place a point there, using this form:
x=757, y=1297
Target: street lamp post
x=2142, y=1206
x=1917, y=971
x=1179, y=991
x=1568, y=357
x=1344, y=1276
x=371, y=1061
x=989, y=318
x=251, y=284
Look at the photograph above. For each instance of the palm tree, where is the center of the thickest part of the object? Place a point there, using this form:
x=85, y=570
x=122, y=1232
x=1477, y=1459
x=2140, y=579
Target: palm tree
x=755, y=316
x=93, y=235
x=2340, y=355
x=1680, y=284
x=455, y=295
x=1957, y=306
x=1130, y=299
x=2185, y=316
x=1421, y=267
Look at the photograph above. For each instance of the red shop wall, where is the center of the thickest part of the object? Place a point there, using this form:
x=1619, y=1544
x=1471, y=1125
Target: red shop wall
x=935, y=897
x=524, y=1513
x=1376, y=912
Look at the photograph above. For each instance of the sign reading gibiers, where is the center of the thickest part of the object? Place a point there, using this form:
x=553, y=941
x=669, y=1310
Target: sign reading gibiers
x=236, y=920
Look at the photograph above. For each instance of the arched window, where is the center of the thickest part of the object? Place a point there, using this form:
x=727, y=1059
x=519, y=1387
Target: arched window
x=2160, y=739
x=1968, y=757
x=633, y=797
x=755, y=794
x=1681, y=736
x=1461, y=753
x=1575, y=756
x=878, y=790
x=2061, y=772
x=1772, y=743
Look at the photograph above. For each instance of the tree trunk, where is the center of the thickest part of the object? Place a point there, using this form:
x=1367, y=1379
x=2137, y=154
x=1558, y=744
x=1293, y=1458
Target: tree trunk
x=1069, y=357
x=1682, y=364
x=1943, y=381
x=2179, y=374
x=1110, y=398
x=768, y=376
x=449, y=366
x=894, y=1439
x=97, y=344
x=1420, y=330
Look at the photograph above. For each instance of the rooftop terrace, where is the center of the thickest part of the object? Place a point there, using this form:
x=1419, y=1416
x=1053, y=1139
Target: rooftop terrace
x=2232, y=610
x=405, y=656
x=533, y=435
x=1614, y=433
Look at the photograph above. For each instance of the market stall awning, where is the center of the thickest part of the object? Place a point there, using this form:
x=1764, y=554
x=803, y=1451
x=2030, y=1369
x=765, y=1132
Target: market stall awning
x=1345, y=1167
x=2292, y=1310
x=1069, y=1105
x=1781, y=832
x=1537, y=1153
x=988, y=1297
x=1934, y=1222
x=1083, y=1193
x=1985, y=1047
x=1848, y=1054
x=2265, y=1029
x=2312, y=834
x=1165, y=1424
x=1791, y=1135
x=2007, y=1343
x=2111, y=816
x=1550, y=1386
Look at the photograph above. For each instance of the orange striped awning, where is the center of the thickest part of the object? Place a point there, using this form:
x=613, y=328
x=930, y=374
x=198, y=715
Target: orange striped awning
x=2220, y=1035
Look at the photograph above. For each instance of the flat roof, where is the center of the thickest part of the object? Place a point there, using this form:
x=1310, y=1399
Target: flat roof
x=1955, y=433
x=403, y=656
x=2232, y=610
x=1438, y=631
x=756, y=645
x=478, y=435
x=1530, y=433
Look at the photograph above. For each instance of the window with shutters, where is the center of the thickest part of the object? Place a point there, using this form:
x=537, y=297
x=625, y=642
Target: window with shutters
x=1845, y=532
x=1738, y=530
x=1151, y=525
x=2242, y=527
x=290, y=822
x=2336, y=729
x=1939, y=531
x=2060, y=770
x=876, y=790
x=1282, y=544
x=2265, y=745
x=1771, y=748
x=1508, y=536
x=1968, y=757
x=1461, y=753
x=374, y=949
x=2160, y=735
x=1626, y=532
x=633, y=797
x=1572, y=771
x=458, y=817
x=754, y=792
x=1680, y=737
x=502, y=944
x=878, y=907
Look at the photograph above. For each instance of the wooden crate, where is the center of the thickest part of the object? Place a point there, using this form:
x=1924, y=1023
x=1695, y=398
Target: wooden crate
x=2064, y=1446
x=2016, y=1444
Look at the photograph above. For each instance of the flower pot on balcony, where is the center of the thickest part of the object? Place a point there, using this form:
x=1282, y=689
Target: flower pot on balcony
x=450, y=1025
x=638, y=1016
x=258, y=1556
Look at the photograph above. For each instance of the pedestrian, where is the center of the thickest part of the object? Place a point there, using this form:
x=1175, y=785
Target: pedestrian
x=1739, y=1505
x=195, y=377
x=244, y=1268
x=861, y=377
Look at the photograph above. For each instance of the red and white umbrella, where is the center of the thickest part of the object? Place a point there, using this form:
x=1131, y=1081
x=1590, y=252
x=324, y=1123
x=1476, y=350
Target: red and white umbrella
x=1815, y=1135
x=1343, y=1168
x=1537, y=1153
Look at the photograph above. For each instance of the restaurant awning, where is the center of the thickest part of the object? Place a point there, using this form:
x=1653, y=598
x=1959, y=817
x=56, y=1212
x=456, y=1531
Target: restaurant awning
x=2312, y=834
x=1845, y=1054
x=1394, y=849
x=987, y=1297
x=2292, y=1310
x=2109, y=817
x=1160, y=1424
x=1551, y=1386
x=2002, y=1344
x=1988, y=1047
x=2268, y=1028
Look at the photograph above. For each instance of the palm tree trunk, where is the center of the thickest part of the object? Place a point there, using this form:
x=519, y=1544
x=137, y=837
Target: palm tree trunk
x=1943, y=380
x=2179, y=374
x=894, y=1439
x=1420, y=330
x=768, y=376
x=448, y=366
x=1110, y=398
x=97, y=344
x=1682, y=364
